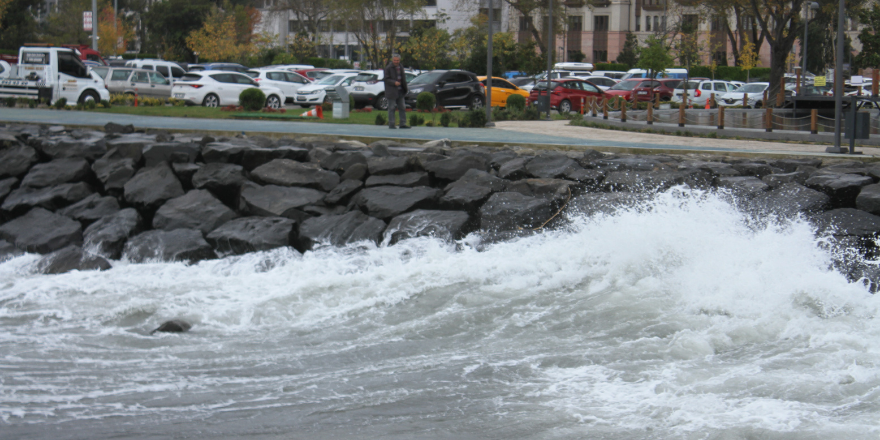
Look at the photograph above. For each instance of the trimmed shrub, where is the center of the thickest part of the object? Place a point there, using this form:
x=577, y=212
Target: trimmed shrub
x=516, y=102
x=105, y=103
x=531, y=113
x=91, y=105
x=475, y=118
x=445, y=119
x=252, y=99
x=381, y=119
x=327, y=106
x=416, y=119
x=425, y=101
x=61, y=103
x=611, y=66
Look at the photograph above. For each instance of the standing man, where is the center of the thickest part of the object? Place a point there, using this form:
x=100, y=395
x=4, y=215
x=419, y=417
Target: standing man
x=395, y=90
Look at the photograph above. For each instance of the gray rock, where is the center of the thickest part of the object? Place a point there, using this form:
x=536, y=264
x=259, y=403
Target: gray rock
x=286, y=172
x=339, y=230
x=91, y=208
x=868, y=199
x=410, y=180
x=357, y=171
x=254, y=157
x=454, y=168
x=113, y=173
x=510, y=211
x=341, y=161
x=791, y=199
x=219, y=177
x=747, y=186
x=551, y=166
x=848, y=222
x=774, y=180
x=842, y=188
x=385, y=202
x=630, y=181
x=629, y=164
x=592, y=179
x=71, y=258
x=251, y=234
x=108, y=235
x=197, y=209
x=57, y=172
x=6, y=186
x=17, y=160
x=173, y=326
x=380, y=166
x=114, y=128
x=224, y=152
x=130, y=146
x=556, y=190
x=278, y=201
x=185, y=173
x=42, y=231
x=758, y=170
x=343, y=191
x=602, y=203
x=186, y=245
x=52, y=198
x=443, y=225
x=170, y=152
x=466, y=196
x=514, y=169
x=89, y=147
x=8, y=251
x=151, y=187
x=791, y=165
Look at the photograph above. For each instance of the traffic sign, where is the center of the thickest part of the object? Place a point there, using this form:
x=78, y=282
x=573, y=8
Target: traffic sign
x=818, y=80
x=87, y=21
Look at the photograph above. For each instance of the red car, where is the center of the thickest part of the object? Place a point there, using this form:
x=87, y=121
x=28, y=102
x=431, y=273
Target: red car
x=644, y=89
x=566, y=93
x=313, y=74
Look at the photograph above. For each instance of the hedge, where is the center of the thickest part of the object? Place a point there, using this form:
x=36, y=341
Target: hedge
x=732, y=73
x=610, y=66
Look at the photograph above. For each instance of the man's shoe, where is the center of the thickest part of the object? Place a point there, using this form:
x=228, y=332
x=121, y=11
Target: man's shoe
x=404, y=126
x=392, y=127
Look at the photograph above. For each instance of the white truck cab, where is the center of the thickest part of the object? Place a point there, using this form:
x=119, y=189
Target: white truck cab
x=52, y=73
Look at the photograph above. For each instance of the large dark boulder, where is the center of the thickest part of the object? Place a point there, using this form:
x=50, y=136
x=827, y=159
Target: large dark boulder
x=220, y=179
x=792, y=165
x=17, y=160
x=170, y=152
x=130, y=146
x=6, y=186
x=380, y=166
x=385, y=202
x=469, y=192
x=185, y=173
x=114, y=128
x=90, y=146
x=42, y=231
x=556, y=190
x=410, y=180
x=197, y=209
x=286, y=172
x=791, y=199
x=224, y=152
x=250, y=234
x=151, y=187
x=515, y=168
x=779, y=179
x=589, y=178
x=57, y=172
x=52, y=198
x=629, y=181
x=455, y=167
x=341, y=161
x=91, y=208
x=339, y=230
x=186, y=245
x=107, y=235
x=343, y=191
x=113, y=173
x=507, y=211
x=8, y=251
x=278, y=201
x=742, y=186
x=868, y=199
x=551, y=166
x=254, y=157
x=629, y=164
x=71, y=258
x=444, y=225
x=842, y=188
x=848, y=222
x=756, y=169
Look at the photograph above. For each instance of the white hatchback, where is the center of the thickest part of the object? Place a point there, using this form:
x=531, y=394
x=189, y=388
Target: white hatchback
x=368, y=88
x=699, y=91
x=214, y=88
x=289, y=82
x=754, y=90
x=315, y=93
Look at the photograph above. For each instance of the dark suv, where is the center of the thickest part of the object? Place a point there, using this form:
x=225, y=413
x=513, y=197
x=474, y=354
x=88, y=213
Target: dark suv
x=451, y=88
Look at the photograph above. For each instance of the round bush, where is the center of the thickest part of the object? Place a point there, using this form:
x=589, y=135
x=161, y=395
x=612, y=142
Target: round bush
x=61, y=103
x=516, y=102
x=252, y=99
x=381, y=119
x=425, y=101
x=445, y=119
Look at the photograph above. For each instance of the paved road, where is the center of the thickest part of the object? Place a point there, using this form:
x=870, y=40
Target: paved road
x=525, y=133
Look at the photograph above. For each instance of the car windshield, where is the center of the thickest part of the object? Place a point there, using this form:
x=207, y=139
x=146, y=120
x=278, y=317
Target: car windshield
x=543, y=85
x=190, y=77
x=752, y=88
x=427, y=78
x=330, y=80
x=364, y=77
x=252, y=74
x=626, y=85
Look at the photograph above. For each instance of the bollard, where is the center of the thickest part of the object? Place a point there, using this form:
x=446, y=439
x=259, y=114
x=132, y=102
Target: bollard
x=681, y=114
x=768, y=120
x=814, y=121
x=650, y=116
x=582, y=106
x=622, y=112
x=745, y=100
x=595, y=107
x=604, y=108
x=721, y=118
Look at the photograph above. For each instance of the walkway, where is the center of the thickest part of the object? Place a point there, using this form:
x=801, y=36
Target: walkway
x=538, y=134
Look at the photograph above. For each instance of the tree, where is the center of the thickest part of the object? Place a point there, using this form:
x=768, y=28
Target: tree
x=308, y=14
x=113, y=33
x=748, y=59
x=655, y=57
x=529, y=9
x=688, y=46
x=226, y=35
x=780, y=27
x=426, y=49
x=629, y=55
x=17, y=24
x=170, y=22
x=869, y=57
x=65, y=26
x=376, y=23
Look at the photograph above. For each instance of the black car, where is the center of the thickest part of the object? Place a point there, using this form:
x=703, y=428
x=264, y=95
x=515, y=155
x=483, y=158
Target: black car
x=452, y=88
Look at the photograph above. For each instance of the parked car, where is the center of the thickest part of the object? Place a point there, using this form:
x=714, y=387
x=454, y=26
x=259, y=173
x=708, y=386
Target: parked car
x=643, y=89
x=503, y=89
x=452, y=88
x=524, y=83
x=368, y=88
x=233, y=67
x=315, y=93
x=668, y=73
x=566, y=93
x=613, y=74
x=755, y=91
x=142, y=82
x=699, y=92
x=603, y=82
x=214, y=88
x=314, y=73
x=288, y=82
x=101, y=71
x=168, y=69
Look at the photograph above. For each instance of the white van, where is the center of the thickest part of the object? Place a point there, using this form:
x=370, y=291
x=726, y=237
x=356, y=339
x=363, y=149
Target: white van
x=168, y=69
x=668, y=73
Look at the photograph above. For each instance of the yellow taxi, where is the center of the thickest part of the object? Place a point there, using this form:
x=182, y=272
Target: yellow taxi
x=502, y=89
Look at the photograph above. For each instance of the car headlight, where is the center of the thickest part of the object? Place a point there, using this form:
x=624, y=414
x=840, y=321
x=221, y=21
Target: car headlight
x=307, y=92
x=417, y=89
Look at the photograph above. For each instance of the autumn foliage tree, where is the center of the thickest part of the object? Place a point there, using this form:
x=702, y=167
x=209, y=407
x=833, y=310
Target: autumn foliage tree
x=227, y=34
x=112, y=39
x=427, y=48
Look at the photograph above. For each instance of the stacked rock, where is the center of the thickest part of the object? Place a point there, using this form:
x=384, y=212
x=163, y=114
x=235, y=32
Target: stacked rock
x=84, y=197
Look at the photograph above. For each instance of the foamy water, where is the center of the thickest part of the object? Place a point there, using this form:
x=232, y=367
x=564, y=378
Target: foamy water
x=678, y=320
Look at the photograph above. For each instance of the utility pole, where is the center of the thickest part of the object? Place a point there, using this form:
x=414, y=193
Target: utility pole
x=838, y=82
x=488, y=102
x=95, y=24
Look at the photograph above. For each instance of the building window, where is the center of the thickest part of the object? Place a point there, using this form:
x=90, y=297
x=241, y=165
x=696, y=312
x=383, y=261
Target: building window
x=748, y=23
x=600, y=23
x=525, y=24
x=720, y=58
x=575, y=23
x=656, y=23
x=638, y=24
x=600, y=56
x=324, y=26
x=294, y=26
x=717, y=24
x=648, y=23
x=663, y=24
x=691, y=22
x=431, y=3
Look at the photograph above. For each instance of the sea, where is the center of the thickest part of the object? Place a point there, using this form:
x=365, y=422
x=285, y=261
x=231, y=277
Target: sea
x=680, y=317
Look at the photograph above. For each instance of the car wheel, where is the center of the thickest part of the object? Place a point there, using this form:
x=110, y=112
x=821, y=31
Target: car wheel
x=565, y=106
x=381, y=103
x=211, y=100
x=273, y=102
x=759, y=104
x=88, y=95
x=476, y=102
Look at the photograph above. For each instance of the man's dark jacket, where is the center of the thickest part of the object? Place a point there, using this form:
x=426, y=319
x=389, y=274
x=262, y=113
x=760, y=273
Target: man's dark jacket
x=390, y=78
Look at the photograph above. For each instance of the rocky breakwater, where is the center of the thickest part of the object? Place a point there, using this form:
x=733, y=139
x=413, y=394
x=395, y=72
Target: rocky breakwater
x=84, y=198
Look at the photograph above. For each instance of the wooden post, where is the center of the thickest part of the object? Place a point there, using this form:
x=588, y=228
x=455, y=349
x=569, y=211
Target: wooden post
x=595, y=106
x=721, y=118
x=798, y=84
x=650, y=116
x=745, y=100
x=623, y=112
x=765, y=98
x=814, y=121
x=768, y=120
x=605, y=108
x=657, y=100
x=681, y=113
x=780, y=98
x=875, y=76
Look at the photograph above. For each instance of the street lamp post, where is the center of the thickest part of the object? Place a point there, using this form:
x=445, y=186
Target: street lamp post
x=549, y=51
x=488, y=102
x=838, y=82
x=808, y=10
